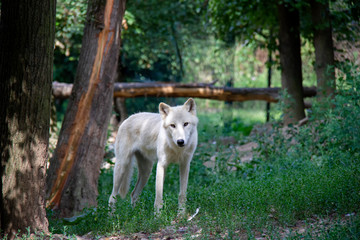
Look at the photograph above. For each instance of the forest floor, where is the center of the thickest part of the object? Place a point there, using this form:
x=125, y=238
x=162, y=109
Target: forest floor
x=312, y=228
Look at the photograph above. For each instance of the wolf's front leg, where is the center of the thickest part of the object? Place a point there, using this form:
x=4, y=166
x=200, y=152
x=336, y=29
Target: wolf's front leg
x=159, y=186
x=184, y=176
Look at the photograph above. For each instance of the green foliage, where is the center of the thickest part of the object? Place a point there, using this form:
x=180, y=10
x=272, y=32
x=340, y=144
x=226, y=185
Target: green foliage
x=213, y=63
x=325, y=153
x=70, y=18
x=164, y=40
x=250, y=20
x=344, y=130
x=345, y=19
x=156, y=33
x=246, y=19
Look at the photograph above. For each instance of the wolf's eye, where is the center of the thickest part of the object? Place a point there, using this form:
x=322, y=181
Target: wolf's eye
x=185, y=124
x=172, y=125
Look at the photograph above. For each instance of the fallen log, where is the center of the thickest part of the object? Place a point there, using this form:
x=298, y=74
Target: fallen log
x=61, y=90
x=196, y=90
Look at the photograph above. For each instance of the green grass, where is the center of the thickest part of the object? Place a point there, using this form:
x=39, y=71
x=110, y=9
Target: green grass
x=236, y=120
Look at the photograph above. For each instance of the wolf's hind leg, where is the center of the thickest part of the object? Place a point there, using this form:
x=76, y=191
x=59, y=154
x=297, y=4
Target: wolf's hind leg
x=144, y=169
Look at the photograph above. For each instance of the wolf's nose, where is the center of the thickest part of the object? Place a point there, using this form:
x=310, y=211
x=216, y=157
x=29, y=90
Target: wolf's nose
x=180, y=142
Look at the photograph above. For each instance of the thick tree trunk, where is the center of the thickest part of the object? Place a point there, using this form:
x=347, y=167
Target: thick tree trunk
x=290, y=60
x=324, y=51
x=157, y=89
x=27, y=34
x=74, y=169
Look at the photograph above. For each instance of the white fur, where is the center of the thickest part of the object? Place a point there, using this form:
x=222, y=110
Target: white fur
x=168, y=137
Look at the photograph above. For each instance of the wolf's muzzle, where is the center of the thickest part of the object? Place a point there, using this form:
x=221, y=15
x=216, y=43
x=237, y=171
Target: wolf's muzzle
x=180, y=142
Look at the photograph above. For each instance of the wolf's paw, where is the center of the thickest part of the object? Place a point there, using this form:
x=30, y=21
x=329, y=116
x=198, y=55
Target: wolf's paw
x=181, y=212
x=158, y=209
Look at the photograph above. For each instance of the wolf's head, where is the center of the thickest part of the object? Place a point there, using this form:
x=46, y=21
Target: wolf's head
x=180, y=122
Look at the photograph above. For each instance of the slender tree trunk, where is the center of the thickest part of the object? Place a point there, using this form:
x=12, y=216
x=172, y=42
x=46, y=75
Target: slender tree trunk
x=74, y=170
x=290, y=61
x=177, y=48
x=120, y=103
x=120, y=108
x=270, y=62
x=27, y=34
x=324, y=51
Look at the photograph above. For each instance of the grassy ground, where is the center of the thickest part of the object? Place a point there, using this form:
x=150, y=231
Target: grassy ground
x=271, y=200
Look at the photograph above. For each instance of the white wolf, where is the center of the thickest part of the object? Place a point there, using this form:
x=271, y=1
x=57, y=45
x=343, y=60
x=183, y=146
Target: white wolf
x=168, y=137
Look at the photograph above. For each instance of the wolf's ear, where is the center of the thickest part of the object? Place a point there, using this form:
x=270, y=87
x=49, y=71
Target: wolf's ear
x=190, y=106
x=164, y=110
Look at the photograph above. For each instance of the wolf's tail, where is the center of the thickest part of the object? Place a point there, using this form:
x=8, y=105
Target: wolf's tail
x=122, y=173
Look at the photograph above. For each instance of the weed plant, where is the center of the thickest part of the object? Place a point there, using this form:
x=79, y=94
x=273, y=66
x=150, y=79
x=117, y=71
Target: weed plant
x=311, y=172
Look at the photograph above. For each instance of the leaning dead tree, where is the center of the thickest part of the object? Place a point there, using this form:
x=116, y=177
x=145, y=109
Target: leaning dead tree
x=197, y=90
x=72, y=179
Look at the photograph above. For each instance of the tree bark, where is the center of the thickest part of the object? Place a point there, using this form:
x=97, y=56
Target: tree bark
x=120, y=108
x=74, y=169
x=27, y=34
x=269, y=75
x=324, y=50
x=156, y=89
x=290, y=61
